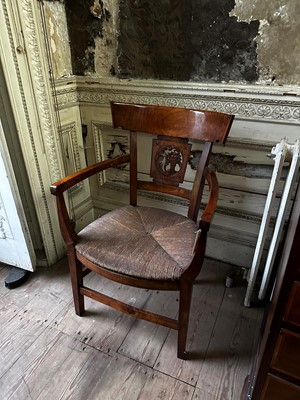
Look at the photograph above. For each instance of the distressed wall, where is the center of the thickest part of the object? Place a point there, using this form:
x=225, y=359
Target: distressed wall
x=92, y=33
x=233, y=41
x=58, y=38
x=278, y=43
x=195, y=40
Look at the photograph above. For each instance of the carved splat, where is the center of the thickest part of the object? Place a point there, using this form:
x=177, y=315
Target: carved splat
x=169, y=160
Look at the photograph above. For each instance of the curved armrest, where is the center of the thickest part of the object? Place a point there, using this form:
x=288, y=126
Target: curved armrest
x=211, y=206
x=62, y=185
x=58, y=188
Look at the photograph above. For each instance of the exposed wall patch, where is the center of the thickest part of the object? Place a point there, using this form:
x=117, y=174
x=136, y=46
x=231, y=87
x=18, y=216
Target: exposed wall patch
x=85, y=23
x=96, y=9
x=56, y=24
x=278, y=42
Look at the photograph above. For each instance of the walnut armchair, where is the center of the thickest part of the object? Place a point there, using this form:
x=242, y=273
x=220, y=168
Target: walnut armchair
x=142, y=246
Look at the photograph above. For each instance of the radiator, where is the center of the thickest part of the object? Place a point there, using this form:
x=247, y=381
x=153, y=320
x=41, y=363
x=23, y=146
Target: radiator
x=282, y=153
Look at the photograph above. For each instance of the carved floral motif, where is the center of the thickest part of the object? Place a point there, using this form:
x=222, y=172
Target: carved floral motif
x=169, y=160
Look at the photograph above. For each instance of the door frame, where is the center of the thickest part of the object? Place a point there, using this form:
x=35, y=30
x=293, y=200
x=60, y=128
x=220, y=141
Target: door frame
x=25, y=69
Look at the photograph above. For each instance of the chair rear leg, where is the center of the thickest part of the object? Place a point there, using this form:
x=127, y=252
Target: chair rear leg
x=186, y=288
x=77, y=281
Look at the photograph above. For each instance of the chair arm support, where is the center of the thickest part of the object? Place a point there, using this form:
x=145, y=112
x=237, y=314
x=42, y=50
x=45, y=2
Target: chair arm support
x=58, y=188
x=211, y=206
x=62, y=185
x=204, y=225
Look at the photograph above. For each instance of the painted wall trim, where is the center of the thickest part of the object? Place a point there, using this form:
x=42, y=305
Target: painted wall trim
x=281, y=104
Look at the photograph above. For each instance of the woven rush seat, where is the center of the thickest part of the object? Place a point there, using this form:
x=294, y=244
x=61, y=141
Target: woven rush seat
x=142, y=242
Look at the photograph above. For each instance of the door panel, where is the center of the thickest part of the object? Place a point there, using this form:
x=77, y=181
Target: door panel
x=15, y=243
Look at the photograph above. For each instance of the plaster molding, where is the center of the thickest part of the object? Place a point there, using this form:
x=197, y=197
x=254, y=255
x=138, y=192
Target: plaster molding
x=71, y=153
x=70, y=129
x=97, y=129
x=28, y=115
x=42, y=97
x=67, y=96
x=259, y=103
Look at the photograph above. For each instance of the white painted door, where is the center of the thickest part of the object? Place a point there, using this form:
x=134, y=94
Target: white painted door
x=15, y=243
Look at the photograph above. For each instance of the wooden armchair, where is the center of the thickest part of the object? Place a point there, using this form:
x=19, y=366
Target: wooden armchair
x=142, y=246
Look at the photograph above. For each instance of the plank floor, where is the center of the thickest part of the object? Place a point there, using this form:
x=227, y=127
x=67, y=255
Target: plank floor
x=47, y=352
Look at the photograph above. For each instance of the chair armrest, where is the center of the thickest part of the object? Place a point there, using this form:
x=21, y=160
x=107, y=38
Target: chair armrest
x=62, y=185
x=58, y=188
x=211, y=206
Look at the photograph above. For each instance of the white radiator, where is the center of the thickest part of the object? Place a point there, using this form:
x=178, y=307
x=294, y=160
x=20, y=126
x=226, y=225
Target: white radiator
x=282, y=152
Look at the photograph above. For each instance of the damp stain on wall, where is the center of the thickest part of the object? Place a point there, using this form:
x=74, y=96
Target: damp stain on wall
x=194, y=40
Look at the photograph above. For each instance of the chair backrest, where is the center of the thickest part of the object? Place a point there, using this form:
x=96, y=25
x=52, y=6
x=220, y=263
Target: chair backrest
x=171, y=149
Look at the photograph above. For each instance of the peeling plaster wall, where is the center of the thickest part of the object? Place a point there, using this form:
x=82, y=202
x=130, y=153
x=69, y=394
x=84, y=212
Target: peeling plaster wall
x=106, y=44
x=234, y=41
x=92, y=30
x=58, y=37
x=278, y=43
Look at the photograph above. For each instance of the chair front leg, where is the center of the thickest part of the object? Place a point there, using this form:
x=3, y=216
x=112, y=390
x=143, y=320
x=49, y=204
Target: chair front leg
x=77, y=280
x=186, y=289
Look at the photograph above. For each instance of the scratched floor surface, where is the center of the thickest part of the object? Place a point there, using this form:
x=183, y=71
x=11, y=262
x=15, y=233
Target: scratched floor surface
x=47, y=352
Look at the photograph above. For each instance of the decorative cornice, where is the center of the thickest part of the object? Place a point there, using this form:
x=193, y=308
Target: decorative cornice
x=260, y=103
x=67, y=96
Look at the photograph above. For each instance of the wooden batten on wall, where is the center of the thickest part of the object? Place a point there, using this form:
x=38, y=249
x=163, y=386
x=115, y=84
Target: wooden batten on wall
x=264, y=115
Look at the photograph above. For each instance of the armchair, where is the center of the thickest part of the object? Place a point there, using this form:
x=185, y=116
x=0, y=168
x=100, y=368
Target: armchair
x=143, y=246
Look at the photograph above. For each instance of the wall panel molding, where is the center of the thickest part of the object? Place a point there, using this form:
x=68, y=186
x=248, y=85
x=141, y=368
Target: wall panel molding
x=71, y=152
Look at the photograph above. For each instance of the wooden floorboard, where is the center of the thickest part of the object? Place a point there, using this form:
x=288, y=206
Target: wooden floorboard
x=101, y=326
x=145, y=340
x=48, y=352
x=127, y=379
x=228, y=356
x=208, y=294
